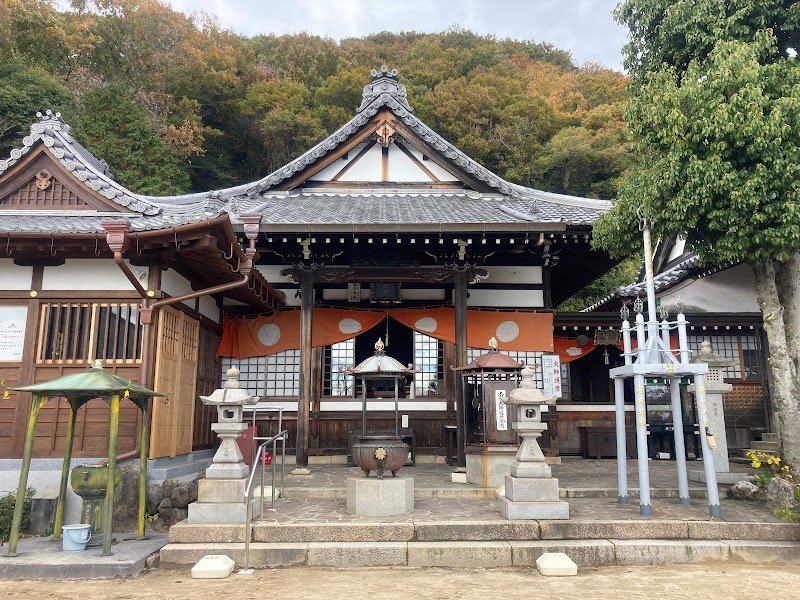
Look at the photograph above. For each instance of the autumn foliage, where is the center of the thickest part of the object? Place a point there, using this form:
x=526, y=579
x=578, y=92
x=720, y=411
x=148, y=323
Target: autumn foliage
x=175, y=103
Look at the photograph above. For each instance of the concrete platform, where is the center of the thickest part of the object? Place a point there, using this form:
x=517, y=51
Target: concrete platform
x=43, y=558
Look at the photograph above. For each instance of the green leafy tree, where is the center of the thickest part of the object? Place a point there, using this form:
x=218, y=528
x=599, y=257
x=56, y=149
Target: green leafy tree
x=113, y=127
x=24, y=90
x=716, y=112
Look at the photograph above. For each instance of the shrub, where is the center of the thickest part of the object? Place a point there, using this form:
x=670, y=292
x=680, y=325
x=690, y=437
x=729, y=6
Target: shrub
x=768, y=466
x=7, y=513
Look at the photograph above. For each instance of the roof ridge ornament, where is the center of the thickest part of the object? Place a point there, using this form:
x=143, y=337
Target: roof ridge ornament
x=52, y=120
x=384, y=84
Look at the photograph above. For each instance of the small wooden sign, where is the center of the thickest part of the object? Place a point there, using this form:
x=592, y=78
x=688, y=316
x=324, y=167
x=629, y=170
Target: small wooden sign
x=606, y=337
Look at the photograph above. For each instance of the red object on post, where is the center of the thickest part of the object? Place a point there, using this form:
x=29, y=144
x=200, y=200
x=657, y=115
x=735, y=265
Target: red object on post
x=267, y=458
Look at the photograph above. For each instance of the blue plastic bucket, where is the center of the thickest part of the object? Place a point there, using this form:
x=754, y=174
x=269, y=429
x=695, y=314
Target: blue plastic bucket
x=75, y=537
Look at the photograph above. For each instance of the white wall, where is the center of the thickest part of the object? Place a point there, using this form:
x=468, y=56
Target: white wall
x=13, y=277
x=520, y=275
x=506, y=298
x=732, y=290
x=91, y=274
x=208, y=308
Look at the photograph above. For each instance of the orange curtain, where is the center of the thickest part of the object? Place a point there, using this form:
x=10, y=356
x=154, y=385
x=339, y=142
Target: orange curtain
x=439, y=323
x=569, y=349
x=268, y=335
x=243, y=338
x=332, y=325
x=513, y=330
x=228, y=345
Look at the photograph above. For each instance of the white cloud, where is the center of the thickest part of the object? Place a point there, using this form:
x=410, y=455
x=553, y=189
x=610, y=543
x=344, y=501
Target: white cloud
x=583, y=27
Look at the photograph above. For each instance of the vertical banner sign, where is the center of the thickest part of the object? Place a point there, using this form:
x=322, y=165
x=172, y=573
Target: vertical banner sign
x=354, y=292
x=551, y=375
x=500, y=410
x=12, y=332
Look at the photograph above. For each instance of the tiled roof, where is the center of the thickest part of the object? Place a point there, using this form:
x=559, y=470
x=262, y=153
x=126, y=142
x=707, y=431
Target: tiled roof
x=388, y=207
x=662, y=281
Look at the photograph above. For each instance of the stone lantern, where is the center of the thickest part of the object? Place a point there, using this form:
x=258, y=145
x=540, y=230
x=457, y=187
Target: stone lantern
x=715, y=387
x=228, y=462
x=220, y=496
x=530, y=490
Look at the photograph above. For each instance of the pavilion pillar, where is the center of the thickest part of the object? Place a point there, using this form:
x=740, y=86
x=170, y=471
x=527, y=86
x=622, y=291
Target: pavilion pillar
x=38, y=403
x=62, y=488
x=460, y=301
x=108, y=514
x=306, y=376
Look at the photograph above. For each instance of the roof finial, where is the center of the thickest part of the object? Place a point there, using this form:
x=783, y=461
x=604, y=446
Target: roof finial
x=493, y=343
x=384, y=89
x=379, y=345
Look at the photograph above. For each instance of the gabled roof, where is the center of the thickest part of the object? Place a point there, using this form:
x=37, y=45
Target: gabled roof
x=499, y=205
x=148, y=212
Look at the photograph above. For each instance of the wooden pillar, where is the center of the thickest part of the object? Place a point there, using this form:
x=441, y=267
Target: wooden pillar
x=460, y=301
x=546, y=292
x=306, y=375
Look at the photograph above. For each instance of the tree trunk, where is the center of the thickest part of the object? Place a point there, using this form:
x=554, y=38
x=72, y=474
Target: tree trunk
x=787, y=280
x=784, y=387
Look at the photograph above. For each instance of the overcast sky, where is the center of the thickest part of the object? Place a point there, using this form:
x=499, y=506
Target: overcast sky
x=583, y=27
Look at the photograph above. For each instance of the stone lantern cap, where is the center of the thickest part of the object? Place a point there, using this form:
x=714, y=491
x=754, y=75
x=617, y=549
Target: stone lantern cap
x=713, y=360
x=527, y=392
x=230, y=394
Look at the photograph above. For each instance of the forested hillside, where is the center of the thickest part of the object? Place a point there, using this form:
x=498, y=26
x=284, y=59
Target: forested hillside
x=175, y=104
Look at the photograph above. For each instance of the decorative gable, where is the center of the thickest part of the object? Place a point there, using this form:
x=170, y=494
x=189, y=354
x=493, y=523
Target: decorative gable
x=38, y=182
x=43, y=191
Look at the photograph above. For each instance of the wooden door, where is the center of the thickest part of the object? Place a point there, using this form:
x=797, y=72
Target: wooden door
x=176, y=372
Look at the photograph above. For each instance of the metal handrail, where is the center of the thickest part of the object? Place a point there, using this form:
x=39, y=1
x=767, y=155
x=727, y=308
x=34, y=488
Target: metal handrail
x=248, y=491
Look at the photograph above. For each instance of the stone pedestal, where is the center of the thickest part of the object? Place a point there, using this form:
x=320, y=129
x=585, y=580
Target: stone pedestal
x=487, y=466
x=368, y=496
x=530, y=490
x=220, y=496
x=221, y=501
x=716, y=425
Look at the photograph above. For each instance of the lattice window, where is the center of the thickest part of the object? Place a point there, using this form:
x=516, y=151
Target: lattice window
x=428, y=358
x=276, y=375
x=252, y=373
x=76, y=332
x=337, y=358
x=743, y=350
x=283, y=374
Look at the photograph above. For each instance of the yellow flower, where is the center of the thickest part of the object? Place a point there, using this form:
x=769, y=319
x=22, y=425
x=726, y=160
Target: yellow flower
x=756, y=464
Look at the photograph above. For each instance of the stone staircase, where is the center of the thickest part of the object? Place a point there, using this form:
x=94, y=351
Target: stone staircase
x=769, y=443
x=475, y=544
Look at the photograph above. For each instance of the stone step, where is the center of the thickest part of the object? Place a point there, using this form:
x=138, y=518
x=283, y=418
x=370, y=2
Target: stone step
x=475, y=554
x=765, y=446
x=770, y=437
x=482, y=531
x=340, y=493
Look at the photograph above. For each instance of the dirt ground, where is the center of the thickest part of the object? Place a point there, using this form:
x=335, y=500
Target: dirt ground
x=709, y=581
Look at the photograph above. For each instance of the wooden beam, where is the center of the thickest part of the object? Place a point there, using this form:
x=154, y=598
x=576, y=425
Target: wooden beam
x=460, y=294
x=366, y=131
x=356, y=158
x=433, y=154
x=306, y=366
x=417, y=162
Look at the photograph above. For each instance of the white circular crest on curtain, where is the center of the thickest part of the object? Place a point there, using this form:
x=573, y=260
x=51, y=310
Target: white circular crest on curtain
x=507, y=331
x=269, y=334
x=428, y=324
x=349, y=326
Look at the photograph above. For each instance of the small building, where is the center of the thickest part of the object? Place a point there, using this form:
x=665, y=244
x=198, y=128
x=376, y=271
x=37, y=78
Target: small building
x=383, y=225
x=721, y=307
